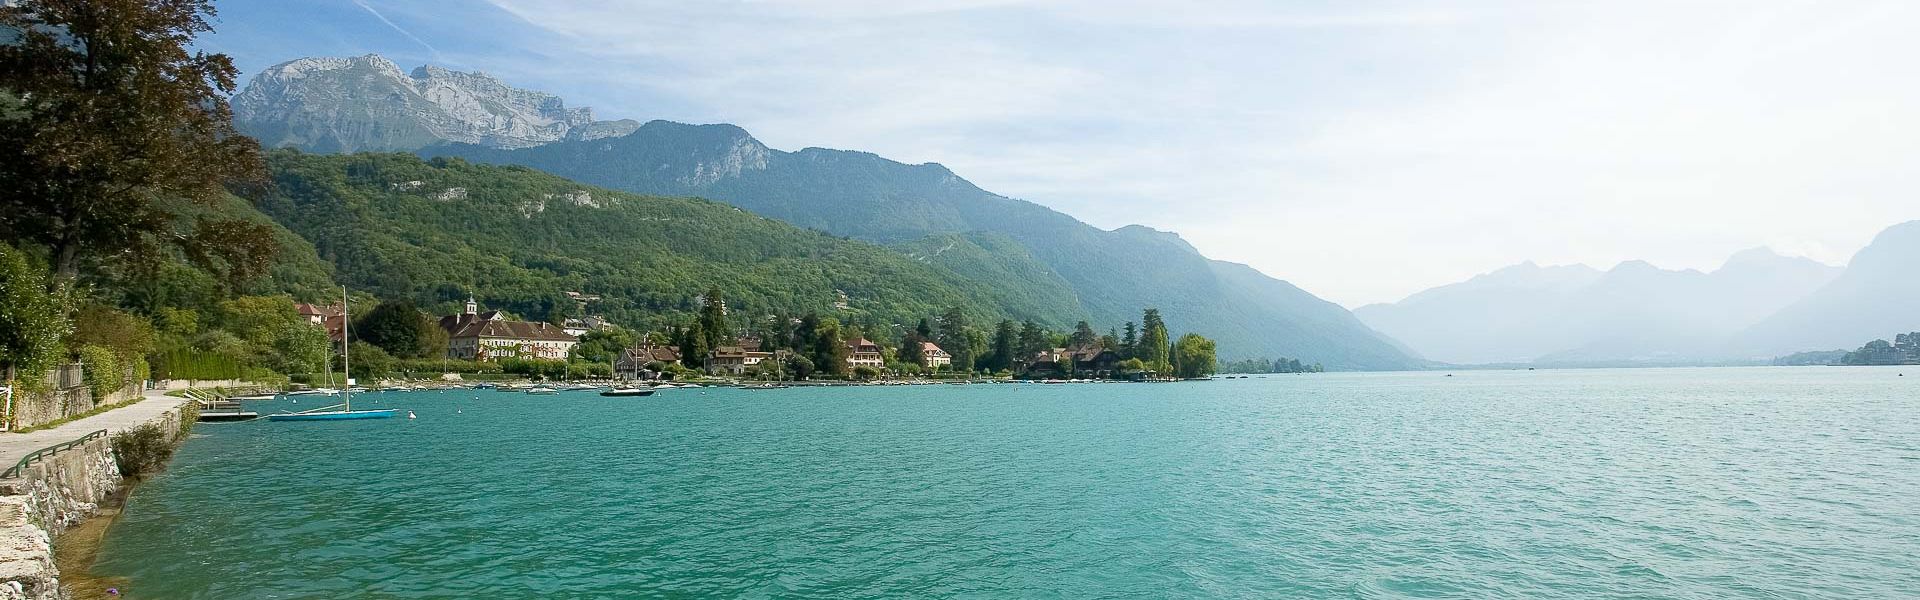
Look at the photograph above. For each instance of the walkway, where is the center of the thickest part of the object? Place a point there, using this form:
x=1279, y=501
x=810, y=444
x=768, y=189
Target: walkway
x=13, y=446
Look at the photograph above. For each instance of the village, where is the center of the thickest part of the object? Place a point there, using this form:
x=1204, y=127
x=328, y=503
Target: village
x=493, y=342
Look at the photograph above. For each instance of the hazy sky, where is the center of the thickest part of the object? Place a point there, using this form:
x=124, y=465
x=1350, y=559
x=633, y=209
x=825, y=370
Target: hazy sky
x=1362, y=150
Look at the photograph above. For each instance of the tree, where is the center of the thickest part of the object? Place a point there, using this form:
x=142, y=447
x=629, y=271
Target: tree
x=957, y=337
x=800, y=366
x=1033, y=340
x=1083, y=336
x=301, y=348
x=829, y=352
x=864, y=372
x=1004, y=347
x=128, y=336
x=370, y=362
x=1194, y=356
x=32, y=321
x=398, y=327
x=1128, y=342
x=910, y=345
x=108, y=119
x=693, y=345
x=713, y=320
x=1154, y=342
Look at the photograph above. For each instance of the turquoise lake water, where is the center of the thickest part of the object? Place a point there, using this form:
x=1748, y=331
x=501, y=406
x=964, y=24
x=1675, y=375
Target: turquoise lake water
x=1683, y=483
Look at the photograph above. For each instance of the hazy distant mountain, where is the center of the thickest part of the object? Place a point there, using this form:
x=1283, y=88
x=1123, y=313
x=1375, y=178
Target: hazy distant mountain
x=1877, y=296
x=368, y=103
x=1635, y=312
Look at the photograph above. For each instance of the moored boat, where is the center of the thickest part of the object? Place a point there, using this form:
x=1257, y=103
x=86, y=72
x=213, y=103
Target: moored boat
x=626, y=392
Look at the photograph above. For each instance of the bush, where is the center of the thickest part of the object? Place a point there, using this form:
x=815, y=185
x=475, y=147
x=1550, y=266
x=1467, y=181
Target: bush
x=32, y=321
x=102, y=369
x=142, y=450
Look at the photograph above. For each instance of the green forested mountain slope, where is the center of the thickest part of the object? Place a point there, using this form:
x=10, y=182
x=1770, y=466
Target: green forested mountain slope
x=435, y=231
x=1111, y=274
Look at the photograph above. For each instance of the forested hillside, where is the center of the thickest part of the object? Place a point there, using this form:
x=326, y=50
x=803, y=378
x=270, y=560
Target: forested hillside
x=436, y=231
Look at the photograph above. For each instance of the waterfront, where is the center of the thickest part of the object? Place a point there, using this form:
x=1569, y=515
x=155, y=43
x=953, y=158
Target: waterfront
x=1762, y=482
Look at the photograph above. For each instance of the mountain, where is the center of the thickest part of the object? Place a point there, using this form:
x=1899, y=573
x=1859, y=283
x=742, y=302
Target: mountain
x=1107, y=276
x=1873, y=299
x=436, y=231
x=368, y=103
x=1111, y=274
x=1634, y=312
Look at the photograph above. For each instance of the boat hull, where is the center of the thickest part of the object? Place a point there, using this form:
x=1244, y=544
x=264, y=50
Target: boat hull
x=336, y=415
x=626, y=393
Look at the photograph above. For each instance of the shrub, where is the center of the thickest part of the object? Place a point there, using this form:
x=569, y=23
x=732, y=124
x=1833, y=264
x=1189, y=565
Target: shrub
x=102, y=369
x=142, y=450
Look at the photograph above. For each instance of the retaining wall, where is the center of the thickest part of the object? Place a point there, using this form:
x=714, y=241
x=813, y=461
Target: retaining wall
x=51, y=495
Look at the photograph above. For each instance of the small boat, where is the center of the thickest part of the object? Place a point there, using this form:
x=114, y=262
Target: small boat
x=253, y=397
x=765, y=386
x=628, y=391
x=582, y=387
x=346, y=411
x=541, y=391
x=315, y=392
x=483, y=386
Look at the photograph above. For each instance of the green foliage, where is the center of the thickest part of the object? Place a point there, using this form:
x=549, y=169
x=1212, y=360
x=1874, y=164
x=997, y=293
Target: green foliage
x=370, y=362
x=1195, y=356
x=602, y=346
x=1153, y=346
x=115, y=116
x=864, y=372
x=399, y=328
x=300, y=348
x=103, y=326
x=829, y=351
x=200, y=365
x=142, y=450
x=32, y=321
x=101, y=367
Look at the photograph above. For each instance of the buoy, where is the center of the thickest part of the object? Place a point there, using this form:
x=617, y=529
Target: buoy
x=410, y=415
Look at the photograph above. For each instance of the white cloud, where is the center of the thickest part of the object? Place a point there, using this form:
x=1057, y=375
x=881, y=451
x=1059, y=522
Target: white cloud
x=1361, y=153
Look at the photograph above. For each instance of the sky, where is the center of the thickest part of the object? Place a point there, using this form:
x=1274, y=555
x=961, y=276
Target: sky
x=1361, y=150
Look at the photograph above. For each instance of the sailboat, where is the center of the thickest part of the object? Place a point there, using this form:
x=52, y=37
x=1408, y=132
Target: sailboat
x=346, y=411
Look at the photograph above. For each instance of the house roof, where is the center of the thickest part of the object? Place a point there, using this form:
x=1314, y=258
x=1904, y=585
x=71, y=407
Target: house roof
x=860, y=341
x=308, y=309
x=729, y=352
x=926, y=347
x=517, y=330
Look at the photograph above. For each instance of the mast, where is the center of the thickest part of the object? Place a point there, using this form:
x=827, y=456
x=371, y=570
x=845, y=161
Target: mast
x=346, y=360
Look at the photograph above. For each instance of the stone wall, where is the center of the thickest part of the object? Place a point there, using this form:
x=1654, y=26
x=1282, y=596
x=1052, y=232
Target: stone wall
x=51, y=495
x=64, y=394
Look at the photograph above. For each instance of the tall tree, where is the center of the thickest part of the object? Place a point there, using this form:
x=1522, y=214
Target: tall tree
x=1154, y=342
x=956, y=336
x=1128, y=342
x=829, y=350
x=1004, y=346
x=1083, y=336
x=106, y=118
x=713, y=320
x=1033, y=340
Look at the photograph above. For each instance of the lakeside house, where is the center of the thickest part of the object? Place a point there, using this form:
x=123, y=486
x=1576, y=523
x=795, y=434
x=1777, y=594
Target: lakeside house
x=932, y=357
x=331, y=317
x=632, y=362
x=1083, y=361
x=484, y=336
x=727, y=360
x=864, y=353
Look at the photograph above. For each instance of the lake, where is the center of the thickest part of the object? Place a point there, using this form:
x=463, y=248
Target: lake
x=1628, y=483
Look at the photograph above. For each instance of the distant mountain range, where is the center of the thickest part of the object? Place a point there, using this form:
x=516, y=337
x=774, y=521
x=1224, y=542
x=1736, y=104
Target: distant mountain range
x=1876, y=297
x=925, y=212
x=1756, y=306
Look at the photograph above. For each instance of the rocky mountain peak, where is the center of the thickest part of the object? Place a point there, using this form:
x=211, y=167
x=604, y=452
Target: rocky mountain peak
x=331, y=104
